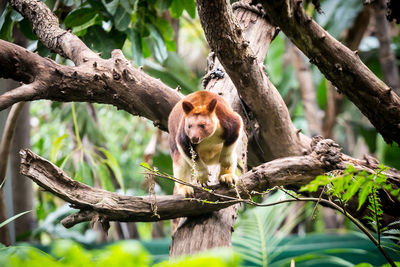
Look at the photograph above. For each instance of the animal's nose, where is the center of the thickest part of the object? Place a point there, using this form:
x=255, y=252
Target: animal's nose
x=195, y=140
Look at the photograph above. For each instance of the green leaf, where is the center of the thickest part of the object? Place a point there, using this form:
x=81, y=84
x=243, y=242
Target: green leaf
x=136, y=44
x=165, y=28
x=84, y=173
x=364, y=192
x=79, y=16
x=3, y=15
x=13, y=218
x=353, y=189
x=26, y=29
x=7, y=27
x=56, y=147
x=104, y=176
x=16, y=16
x=145, y=165
x=111, y=7
x=176, y=8
x=190, y=7
x=122, y=18
x=113, y=164
x=99, y=40
x=350, y=169
x=81, y=19
x=163, y=5
x=156, y=44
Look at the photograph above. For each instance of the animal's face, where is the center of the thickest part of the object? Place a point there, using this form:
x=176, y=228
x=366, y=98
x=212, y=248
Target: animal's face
x=200, y=120
x=198, y=127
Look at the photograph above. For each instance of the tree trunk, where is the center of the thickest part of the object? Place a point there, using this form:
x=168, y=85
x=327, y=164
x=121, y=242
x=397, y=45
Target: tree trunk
x=22, y=190
x=208, y=231
x=4, y=231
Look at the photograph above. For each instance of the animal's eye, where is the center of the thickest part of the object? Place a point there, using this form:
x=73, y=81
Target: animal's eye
x=189, y=126
x=201, y=126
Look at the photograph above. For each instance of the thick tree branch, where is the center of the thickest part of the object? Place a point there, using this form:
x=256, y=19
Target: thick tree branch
x=25, y=92
x=334, y=99
x=46, y=26
x=107, y=206
x=285, y=171
x=226, y=39
x=340, y=65
x=113, y=81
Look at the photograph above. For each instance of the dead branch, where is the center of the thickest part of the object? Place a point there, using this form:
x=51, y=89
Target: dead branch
x=107, y=206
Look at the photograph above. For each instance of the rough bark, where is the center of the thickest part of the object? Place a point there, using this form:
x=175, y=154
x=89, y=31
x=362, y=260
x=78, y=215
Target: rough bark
x=22, y=189
x=113, y=81
x=46, y=26
x=97, y=204
x=245, y=68
x=334, y=98
x=214, y=230
x=340, y=65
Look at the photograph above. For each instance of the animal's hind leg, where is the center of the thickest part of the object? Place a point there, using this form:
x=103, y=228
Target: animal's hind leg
x=182, y=171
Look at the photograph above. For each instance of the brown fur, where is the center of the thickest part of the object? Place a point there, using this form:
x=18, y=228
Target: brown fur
x=205, y=122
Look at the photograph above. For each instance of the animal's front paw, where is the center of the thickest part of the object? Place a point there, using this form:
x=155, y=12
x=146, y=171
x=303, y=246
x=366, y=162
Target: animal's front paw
x=185, y=190
x=228, y=178
x=202, y=177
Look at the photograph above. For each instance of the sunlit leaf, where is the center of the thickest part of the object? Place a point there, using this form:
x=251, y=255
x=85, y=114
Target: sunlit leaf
x=363, y=194
x=56, y=147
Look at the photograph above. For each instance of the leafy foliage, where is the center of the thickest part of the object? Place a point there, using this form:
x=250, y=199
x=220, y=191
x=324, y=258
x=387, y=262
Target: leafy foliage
x=345, y=186
x=125, y=253
x=69, y=253
x=252, y=238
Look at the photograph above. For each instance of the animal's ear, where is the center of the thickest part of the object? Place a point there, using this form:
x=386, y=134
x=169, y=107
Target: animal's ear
x=211, y=105
x=187, y=107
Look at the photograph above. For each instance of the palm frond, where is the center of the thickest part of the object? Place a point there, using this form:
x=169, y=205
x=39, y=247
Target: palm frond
x=260, y=230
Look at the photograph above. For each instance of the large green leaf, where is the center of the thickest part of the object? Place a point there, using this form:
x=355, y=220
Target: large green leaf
x=113, y=164
x=111, y=6
x=177, y=8
x=104, y=177
x=81, y=19
x=57, y=146
x=136, y=46
x=122, y=18
x=338, y=15
x=26, y=28
x=253, y=237
x=156, y=44
x=190, y=7
x=7, y=25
